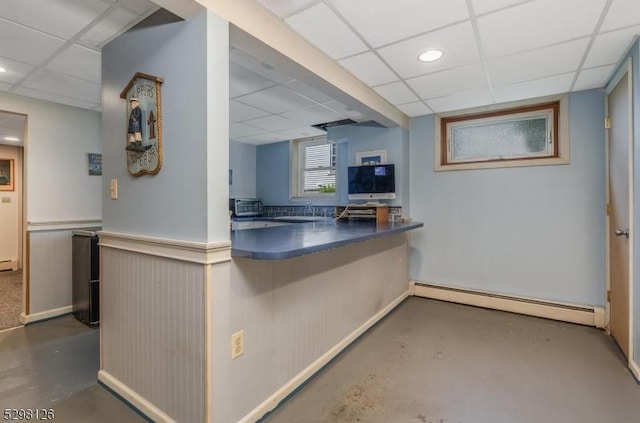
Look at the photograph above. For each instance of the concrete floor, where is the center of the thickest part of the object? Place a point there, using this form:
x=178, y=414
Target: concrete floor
x=436, y=362
x=427, y=362
x=54, y=365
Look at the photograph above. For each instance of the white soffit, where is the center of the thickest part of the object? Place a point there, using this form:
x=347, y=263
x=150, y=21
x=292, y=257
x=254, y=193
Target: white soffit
x=536, y=24
x=384, y=22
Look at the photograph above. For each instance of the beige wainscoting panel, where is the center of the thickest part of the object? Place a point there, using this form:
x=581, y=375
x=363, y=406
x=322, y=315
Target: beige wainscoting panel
x=50, y=261
x=153, y=332
x=296, y=315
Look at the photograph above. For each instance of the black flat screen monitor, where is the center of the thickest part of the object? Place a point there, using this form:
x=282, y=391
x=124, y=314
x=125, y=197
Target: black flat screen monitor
x=372, y=182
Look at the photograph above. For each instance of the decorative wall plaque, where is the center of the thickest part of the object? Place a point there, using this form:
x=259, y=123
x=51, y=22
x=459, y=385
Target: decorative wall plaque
x=143, y=141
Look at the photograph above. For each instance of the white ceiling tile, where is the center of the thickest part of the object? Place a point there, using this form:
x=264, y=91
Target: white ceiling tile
x=15, y=70
x=284, y=8
x=64, y=85
x=368, y=68
x=344, y=110
x=306, y=91
x=460, y=101
x=256, y=66
x=621, y=13
x=536, y=24
x=243, y=81
x=56, y=98
x=265, y=138
x=536, y=64
x=396, y=93
x=239, y=111
x=238, y=130
x=457, y=42
x=323, y=28
x=384, y=22
x=417, y=108
x=139, y=7
x=593, y=78
x=450, y=81
x=608, y=48
x=113, y=24
x=28, y=46
x=5, y=86
x=547, y=86
x=303, y=132
x=312, y=115
x=78, y=61
x=61, y=18
x=273, y=123
x=481, y=7
x=276, y=100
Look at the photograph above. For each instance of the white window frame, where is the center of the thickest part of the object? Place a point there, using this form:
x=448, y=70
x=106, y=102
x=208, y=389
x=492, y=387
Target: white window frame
x=297, y=171
x=505, y=113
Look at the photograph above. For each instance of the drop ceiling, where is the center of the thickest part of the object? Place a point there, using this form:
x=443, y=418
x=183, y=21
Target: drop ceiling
x=494, y=51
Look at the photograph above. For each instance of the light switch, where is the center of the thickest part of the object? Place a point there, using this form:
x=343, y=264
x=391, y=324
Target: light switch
x=114, y=189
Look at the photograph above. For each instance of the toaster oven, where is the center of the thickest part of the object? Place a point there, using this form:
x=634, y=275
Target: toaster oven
x=245, y=207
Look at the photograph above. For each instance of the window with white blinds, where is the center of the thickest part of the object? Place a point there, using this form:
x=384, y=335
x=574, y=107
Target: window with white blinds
x=315, y=168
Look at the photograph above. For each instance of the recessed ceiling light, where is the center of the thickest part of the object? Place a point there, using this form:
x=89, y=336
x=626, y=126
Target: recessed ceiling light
x=2, y=70
x=430, y=55
x=11, y=139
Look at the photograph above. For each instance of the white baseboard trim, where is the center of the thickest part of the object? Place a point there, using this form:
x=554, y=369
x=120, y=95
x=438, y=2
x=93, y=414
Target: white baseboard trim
x=599, y=317
x=9, y=265
x=272, y=402
x=635, y=369
x=44, y=315
x=131, y=396
x=584, y=315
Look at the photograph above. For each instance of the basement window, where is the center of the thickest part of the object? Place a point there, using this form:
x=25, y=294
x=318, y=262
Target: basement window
x=526, y=135
x=314, y=168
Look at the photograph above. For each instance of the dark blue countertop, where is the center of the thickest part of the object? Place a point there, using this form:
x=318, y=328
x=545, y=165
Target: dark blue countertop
x=299, y=238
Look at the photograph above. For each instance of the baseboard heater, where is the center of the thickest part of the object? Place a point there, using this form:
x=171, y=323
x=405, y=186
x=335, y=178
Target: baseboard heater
x=8, y=265
x=584, y=315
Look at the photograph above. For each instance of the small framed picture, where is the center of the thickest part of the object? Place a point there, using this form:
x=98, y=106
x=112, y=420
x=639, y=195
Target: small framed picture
x=7, y=175
x=94, y=162
x=372, y=157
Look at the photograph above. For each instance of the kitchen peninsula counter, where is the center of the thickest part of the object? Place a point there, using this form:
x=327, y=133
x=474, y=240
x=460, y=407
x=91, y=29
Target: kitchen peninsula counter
x=301, y=237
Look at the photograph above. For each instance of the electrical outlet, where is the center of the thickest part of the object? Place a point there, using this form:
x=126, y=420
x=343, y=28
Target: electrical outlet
x=237, y=344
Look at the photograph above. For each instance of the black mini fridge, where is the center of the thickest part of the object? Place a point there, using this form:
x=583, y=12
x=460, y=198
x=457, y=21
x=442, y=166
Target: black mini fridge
x=86, y=277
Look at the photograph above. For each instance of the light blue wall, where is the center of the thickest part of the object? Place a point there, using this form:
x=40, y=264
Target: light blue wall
x=175, y=203
x=273, y=163
x=530, y=231
x=242, y=160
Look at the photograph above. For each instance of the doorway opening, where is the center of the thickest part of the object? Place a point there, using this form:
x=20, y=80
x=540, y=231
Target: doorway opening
x=12, y=286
